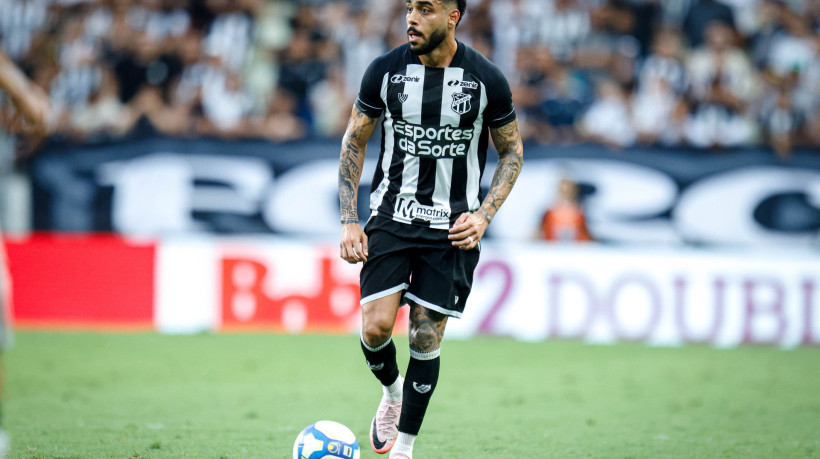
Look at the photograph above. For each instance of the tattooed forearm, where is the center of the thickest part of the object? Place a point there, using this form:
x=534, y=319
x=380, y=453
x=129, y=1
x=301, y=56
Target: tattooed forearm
x=507, y=141
x=349, y=174
x=426, y=328
x=359, y=129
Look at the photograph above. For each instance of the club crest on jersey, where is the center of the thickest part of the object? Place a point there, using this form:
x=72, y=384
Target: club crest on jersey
x=403, y=97
x=461, y=103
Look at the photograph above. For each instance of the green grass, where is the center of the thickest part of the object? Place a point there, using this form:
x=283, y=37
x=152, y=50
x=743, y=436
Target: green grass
x=80, y=395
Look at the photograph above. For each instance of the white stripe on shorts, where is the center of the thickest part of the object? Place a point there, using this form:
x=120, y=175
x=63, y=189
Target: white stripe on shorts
x=432, y=306
x=384, y=293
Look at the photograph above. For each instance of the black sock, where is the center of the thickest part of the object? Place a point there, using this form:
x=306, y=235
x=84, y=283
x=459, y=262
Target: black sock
x=382, y=361
x=419, y=384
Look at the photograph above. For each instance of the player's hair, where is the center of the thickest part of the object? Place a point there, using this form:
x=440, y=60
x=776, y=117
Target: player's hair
x=461, y=5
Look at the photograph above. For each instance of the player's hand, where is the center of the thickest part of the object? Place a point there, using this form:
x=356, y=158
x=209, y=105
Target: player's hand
x=353, y=247
x=28, y=108
x=35, y=107
x=468, y=230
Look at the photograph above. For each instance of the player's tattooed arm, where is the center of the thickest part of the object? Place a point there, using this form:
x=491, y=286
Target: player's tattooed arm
x=360, y=128
x=507, y=141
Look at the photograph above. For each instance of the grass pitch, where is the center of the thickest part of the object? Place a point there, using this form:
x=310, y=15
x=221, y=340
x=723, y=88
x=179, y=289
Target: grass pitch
x=89, y=395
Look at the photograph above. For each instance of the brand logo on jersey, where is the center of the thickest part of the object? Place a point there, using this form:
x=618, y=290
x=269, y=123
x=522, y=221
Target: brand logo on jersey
x=411, y=210
x=432, y=141
x=461, y=103
x=422, y=388
x=463, y=84
x=403, y=97
x=404, y=79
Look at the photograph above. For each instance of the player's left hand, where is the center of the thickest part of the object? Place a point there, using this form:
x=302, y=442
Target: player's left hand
x=468, y=230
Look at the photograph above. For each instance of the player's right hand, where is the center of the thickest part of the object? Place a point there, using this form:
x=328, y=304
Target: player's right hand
x=353, y=247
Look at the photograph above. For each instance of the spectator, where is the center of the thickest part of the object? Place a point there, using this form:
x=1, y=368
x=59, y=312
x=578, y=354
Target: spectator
x=770, y=23
x=792, y=49
x=744, y=13
x=701, y=15
x=228, y=36
x=20, y=20
x=330, y=102
x=143, y=64
x=281, y=121
x=551, y=96
x=104, y=114
x=361, y=41
x=564, y=221
x=806, y=95
x=702, y=86
x=168, y=22
x=665, y=63
x=780, y=120
x=508, y=24
x=608, y=120
x=648, y=15
x=226, y=105
x=564, y=26
x=658, y=110
x=300, y=69
x=609, y=48
x=723, y=84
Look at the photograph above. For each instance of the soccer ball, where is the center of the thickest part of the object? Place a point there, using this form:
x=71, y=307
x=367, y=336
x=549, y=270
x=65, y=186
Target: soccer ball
x=326, y=440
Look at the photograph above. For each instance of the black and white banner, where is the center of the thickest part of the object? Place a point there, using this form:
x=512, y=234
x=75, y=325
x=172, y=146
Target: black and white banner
x=163, y=186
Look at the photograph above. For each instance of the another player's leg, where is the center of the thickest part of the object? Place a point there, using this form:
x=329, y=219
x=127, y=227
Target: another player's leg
x=426, y=332
x=378, y=318
x=4, y=304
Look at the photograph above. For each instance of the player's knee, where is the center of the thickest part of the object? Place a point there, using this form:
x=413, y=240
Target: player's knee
x=376, y=333
x=424, y=339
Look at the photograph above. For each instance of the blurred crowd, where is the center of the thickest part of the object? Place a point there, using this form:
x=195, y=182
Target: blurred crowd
x=702, y=73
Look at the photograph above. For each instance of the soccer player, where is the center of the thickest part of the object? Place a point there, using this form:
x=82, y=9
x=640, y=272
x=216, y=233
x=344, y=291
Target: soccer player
x=438, y=101
x=27, y=114
x=4, y=294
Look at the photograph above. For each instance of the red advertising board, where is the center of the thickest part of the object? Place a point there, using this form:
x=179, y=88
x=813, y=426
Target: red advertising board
x=331, y=304
x=531, y=291
x=81, y=281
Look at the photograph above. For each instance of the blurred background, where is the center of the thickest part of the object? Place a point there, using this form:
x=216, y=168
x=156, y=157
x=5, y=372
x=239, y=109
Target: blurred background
x=678, y=73
x=671, y=148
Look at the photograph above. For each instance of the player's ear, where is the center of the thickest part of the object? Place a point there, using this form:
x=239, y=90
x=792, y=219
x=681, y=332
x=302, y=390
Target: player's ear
x=454, y=17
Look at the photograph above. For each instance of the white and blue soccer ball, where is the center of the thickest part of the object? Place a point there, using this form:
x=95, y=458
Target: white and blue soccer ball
x=326, y=440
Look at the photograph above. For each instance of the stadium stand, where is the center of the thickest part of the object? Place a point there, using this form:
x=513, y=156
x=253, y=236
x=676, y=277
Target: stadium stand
x=698, y=73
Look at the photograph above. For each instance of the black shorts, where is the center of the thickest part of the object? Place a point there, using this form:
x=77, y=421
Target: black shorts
x=420, y=262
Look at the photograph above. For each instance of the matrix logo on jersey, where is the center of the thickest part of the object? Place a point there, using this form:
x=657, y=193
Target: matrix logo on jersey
x=432, y=141
x=404, y=79
x=411, y=210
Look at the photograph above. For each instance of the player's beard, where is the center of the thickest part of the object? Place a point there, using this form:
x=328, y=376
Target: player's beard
x=436, y=37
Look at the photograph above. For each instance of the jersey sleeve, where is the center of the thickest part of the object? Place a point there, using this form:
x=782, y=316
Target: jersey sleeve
x=500, y=109
x=370, y=101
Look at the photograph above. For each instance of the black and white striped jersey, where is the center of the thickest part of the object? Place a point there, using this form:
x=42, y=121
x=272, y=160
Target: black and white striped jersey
x=434, y=133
